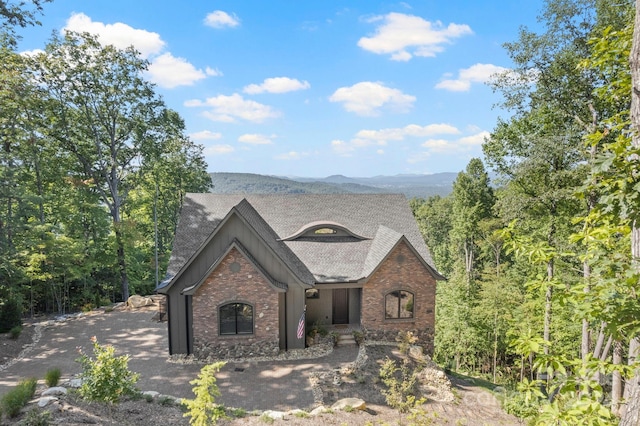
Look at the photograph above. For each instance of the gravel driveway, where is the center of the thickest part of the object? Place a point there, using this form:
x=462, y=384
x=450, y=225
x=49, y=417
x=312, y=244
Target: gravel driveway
x=263, y=385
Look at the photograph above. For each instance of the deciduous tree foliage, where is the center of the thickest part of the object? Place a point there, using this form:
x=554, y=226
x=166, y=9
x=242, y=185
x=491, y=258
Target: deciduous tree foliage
x=89, y=153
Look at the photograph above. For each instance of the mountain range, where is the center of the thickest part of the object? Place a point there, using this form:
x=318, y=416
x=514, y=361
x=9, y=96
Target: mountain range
x=412, y=185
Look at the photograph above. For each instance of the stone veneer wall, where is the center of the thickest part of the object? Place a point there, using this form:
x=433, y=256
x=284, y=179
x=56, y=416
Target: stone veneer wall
x=400, y=271
x=235, y=280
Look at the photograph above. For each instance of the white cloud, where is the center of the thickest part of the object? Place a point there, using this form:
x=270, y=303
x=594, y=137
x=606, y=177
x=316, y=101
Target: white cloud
x=414, y=130
x=457, y=146
x=474, y=140
x=367, y=138
x=213, y=72
x=291, y=155
x=230, y=108
x=342, y=148
x=404, y=36
x=277, y=85
x=32, y=53
x=478, y=73
x=205, y=135
x=165, y=70
x=168, y=71
x=220, y=19
x=256, y=139
x=120, y=35
x=218, y=150
x=366, y=98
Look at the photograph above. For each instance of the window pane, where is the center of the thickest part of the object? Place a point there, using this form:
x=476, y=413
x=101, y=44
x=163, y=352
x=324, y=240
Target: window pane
x=228, y=319
x=406, y=304
x=391, y=304
x=245, y=319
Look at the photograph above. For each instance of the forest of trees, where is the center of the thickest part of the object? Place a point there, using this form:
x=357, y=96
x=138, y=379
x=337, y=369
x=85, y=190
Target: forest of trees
x=543, y=291
x=93, y=168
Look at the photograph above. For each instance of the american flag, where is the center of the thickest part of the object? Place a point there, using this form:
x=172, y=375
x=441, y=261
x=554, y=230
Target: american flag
x=300, y=332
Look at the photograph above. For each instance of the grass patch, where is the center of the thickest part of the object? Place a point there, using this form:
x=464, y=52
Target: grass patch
x=13, y=401
x=238, y=413
x=266, y=419
x=15, y=332
x=52, y=377
x=476, y=381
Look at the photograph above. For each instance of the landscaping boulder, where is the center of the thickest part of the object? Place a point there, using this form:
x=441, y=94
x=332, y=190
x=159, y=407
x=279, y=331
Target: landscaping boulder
x=136, y=301
x=355, y=403
x=55, y=391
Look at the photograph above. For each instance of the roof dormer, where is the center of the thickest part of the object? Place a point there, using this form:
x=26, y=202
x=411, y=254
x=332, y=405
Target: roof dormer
x=324, y=231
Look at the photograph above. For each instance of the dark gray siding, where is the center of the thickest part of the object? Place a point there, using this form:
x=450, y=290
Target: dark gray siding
x=233, y=228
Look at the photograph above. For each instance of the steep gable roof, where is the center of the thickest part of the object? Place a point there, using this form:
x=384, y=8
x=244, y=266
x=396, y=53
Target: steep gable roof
x=380, y=219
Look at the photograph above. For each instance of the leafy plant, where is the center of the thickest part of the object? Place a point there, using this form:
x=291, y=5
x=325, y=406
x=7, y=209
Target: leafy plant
x=15, y=332
x=202, y=409
x=36, y=417
x=401, y=386
x=405, y=340
x=106, y=377
x=13, y=401
x=52, y=377
x=10, y=314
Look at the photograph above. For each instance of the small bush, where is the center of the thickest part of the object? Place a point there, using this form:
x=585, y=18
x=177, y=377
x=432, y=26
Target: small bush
x=52, y=377
x=202, y=409
x=401, y=386
x=106, y=378
x=36, y=417
x=267, y=419
x=15, y=332
x=239, y=413
x=13, y=401
x=10, y=314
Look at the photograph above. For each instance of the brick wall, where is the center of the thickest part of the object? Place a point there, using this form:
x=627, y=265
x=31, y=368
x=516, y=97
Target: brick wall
x=400, y=271
x=235, y=280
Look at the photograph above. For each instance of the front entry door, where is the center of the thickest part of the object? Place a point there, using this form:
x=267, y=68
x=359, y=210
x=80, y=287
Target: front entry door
x=340, y=306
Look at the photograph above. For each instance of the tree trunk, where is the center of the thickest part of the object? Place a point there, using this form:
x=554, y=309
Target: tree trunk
x=584, y=347
x=547, y=307
x=616, y=379
x=631, y=413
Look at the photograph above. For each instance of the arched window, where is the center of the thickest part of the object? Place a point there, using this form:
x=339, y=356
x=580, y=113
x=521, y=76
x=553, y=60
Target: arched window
x=236, y=318
x=398, y=304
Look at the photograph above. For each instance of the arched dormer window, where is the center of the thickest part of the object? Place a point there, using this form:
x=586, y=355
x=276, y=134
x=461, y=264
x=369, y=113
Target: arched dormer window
x=235, y=318
x=324, y=231
x=398, y=304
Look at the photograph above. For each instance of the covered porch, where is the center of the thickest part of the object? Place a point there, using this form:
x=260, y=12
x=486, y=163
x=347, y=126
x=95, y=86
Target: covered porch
x=336, y=308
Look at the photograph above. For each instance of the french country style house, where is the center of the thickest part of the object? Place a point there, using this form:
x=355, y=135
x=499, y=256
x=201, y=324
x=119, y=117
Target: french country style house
x=251, y=273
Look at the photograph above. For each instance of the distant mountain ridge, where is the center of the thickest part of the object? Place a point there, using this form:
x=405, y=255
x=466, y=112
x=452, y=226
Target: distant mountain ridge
x=420, y=186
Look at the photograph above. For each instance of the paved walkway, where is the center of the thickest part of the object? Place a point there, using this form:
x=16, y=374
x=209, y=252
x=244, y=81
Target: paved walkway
x=278, y=385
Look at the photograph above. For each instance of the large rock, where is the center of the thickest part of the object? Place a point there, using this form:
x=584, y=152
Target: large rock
x=46, y=400
x=55, y=391
x=354, y=403
x=275, y=415
x=318, y=410
x=434, y=383
x=136, y=301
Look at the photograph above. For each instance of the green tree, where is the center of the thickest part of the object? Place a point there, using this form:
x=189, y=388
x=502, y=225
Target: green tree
x=105, y=115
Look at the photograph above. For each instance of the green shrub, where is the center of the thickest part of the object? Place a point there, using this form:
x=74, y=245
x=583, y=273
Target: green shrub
x=239, y=413
x=517, y=404
x=106, y=378
x=36, y=417
x=13, y=401
x=202, y=409
x=10, y=314
x=401, y=386
x=52, y=377
x=15, y=332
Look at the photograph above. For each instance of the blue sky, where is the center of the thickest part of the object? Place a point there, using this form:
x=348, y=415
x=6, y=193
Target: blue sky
x=316, y=88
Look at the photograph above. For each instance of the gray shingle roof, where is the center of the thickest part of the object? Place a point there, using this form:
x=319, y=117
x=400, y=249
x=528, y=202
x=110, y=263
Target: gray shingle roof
x=381, y=218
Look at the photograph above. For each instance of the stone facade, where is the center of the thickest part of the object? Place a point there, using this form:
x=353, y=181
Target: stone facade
x=235, y=279
x=402, y=270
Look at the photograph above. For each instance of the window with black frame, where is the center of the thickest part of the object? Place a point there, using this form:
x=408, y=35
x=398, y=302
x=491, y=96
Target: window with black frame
x=236, y=318
x=398, y=304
